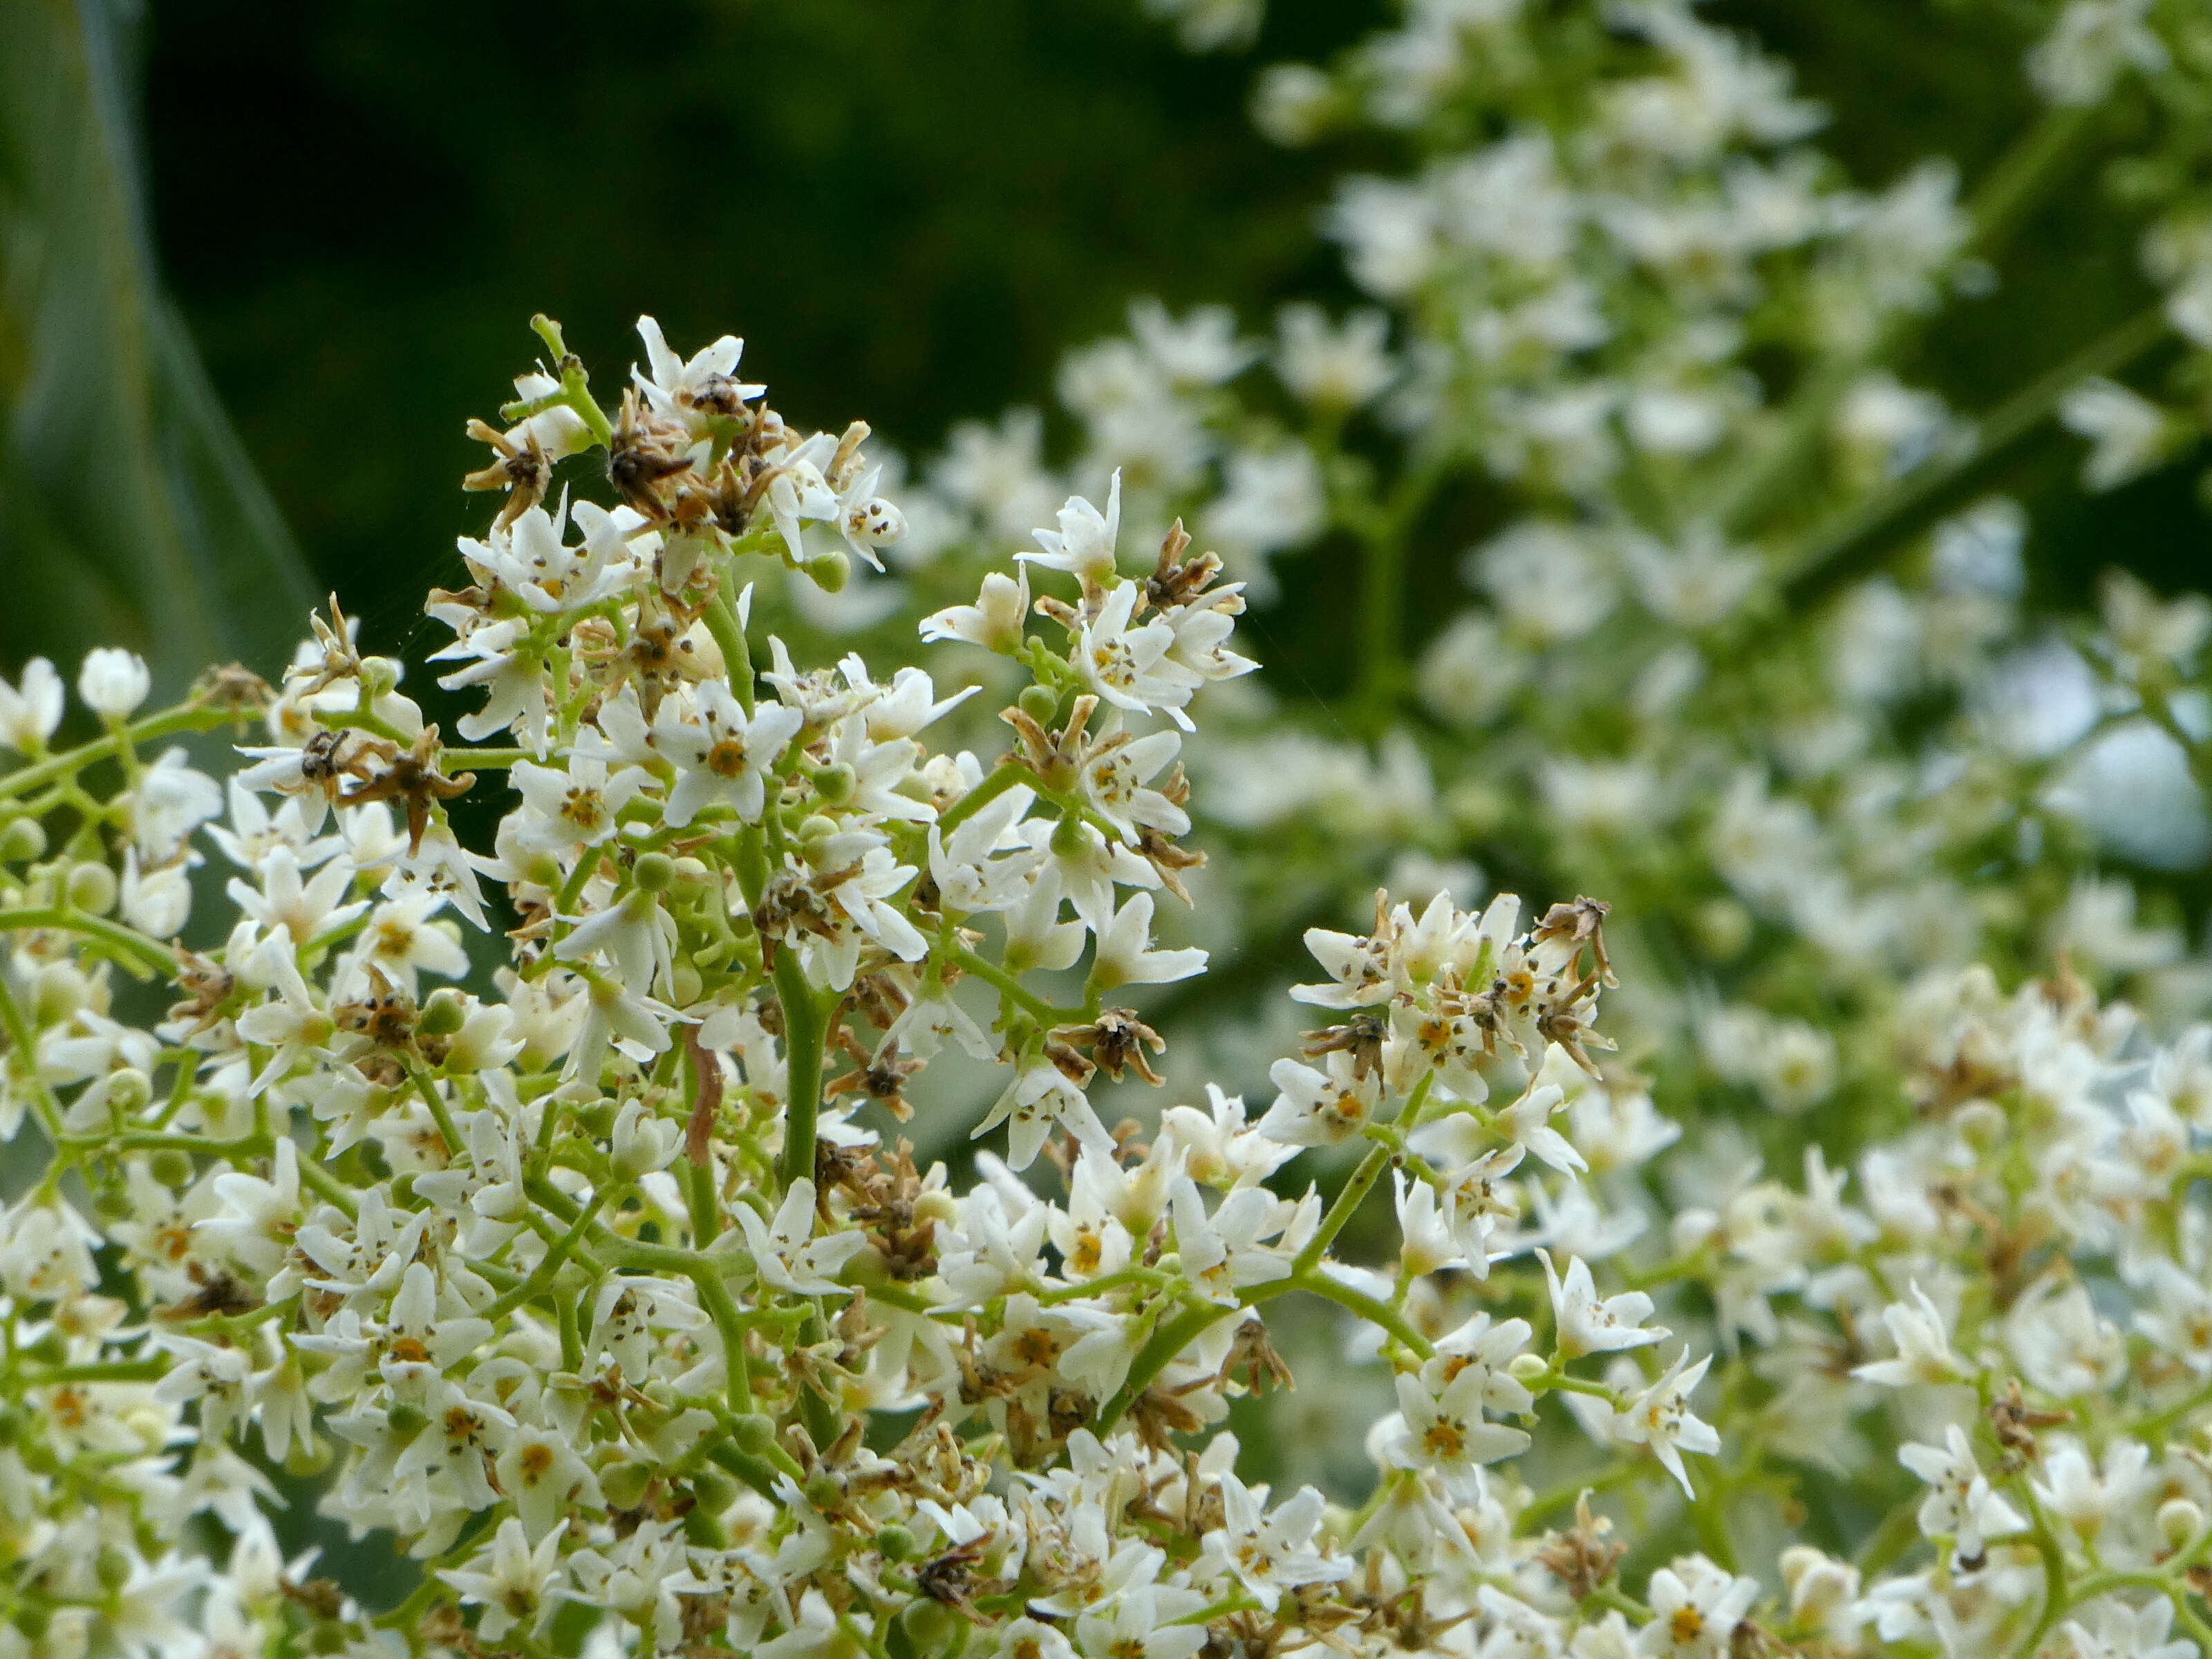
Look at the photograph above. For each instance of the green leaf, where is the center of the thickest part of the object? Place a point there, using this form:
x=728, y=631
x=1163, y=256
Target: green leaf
x=128, y=514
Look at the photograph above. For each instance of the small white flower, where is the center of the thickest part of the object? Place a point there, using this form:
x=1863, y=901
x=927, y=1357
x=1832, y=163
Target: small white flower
x=516, y=1585
x=1084, y=544
x=788, y=1257
x=113, y=682
x=1586, y=1325
x=31, y=708
x=1962, y=1502
x=1659, y=1418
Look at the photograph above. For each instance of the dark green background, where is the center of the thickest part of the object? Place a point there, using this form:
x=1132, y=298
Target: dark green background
x=908, y=207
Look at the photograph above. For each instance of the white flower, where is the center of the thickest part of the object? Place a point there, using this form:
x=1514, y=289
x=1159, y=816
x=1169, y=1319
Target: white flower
x=1586, y=1325
x=1445, y=1431
x=1659, y=1418
x=1962, y=1502
x=1695, y=1610
x=578, y=805
x=1039, y=1097
x=1126, y=956
x=788, y=1255
x=1923, y=1346
x=1084, y=544
x=2091, y=43
x=516, y=1585
x=1332, y=366
x=31, y=708
x=695, y=391
x=113, y=682
x=996, y=621
x=722, y=758
x=2128, y=434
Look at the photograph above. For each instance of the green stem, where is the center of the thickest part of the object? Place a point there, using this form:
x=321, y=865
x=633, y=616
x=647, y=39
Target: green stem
x=481, y=760
x=1348, y=1199
x=190, y=718
x=439, y=1114
x=25, y=1044
x=541, y=1279
x=1835, y=552
x=1009, y=772
x=1045, y=1014
x=737, y=656
x=148, y=952
x=804, y=1019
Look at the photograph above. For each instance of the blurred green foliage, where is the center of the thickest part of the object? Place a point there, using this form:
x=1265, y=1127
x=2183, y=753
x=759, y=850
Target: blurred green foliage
x=128, y=510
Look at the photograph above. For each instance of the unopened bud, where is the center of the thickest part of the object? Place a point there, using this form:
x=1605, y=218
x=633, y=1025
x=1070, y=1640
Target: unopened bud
x=91, y=889
x=1039, y=703
x=753, y=1434
x=687, y=982
x=655, y=872
x=444, y=1014
x=1526, y=1368
x=22, y=841
x=1067, y=837
x=622, y=1484
x=895, y=1542
x=381, y=675
x=830, y=571
x=835, y=784
x=129, y=1090
x=714, y=1491
x=2178, y=1521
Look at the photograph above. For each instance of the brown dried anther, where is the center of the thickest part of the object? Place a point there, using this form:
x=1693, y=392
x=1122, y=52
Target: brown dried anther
x=881, y=1076
x=1584, y=1557
x=1117, y=1041
x=1361, y=1036
x=523, y=469
x=1177, y=581
x=646, y=452
x=1583, y=923
x=410, y=776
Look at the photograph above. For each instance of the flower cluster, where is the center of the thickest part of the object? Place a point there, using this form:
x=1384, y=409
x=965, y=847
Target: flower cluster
x=604, y=1286
x=756, y=1189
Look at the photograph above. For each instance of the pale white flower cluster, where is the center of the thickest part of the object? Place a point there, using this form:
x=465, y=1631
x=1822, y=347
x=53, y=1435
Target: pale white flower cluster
x=692, y=1211
x=1737, y=643
x=602, y=1285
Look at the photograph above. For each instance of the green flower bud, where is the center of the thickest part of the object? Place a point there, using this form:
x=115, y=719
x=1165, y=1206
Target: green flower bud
x=623, y=1484
x=23, y=840
x=406, y=1420
x=1527, y=1367
x=1039, y=702
x=91, y=889
x=1067, y=836
x=896, y=1543
x=830, y=571
x=129, y=1090
x=654, y=872
x=835, y=784
x=688, y=983
x=714, y=1490
x=753, y=1434
x=444, y=1014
